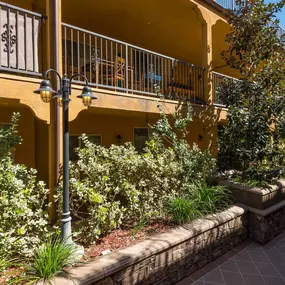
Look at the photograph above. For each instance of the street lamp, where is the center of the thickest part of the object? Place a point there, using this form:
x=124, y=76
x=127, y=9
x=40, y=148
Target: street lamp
x=62, y=95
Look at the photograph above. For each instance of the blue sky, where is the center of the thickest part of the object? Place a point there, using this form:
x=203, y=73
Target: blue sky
x=281, y=15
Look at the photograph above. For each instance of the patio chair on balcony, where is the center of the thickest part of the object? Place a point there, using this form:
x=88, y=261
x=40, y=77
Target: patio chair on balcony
x=114, y=72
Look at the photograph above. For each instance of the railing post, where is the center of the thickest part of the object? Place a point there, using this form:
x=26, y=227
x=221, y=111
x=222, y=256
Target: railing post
x=8, y=38
x=127, y=69
x=172, y=79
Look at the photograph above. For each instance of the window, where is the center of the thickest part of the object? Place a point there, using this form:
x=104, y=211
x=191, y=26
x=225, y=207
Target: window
x=140, y=137
x=75, y=142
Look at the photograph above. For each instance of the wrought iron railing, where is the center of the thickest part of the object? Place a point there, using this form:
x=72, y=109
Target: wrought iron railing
x=116, y=65
x=218, y=78
x=20, y=40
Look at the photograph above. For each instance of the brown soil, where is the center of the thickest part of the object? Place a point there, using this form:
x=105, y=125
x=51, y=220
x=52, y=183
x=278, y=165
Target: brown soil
x=119, y=239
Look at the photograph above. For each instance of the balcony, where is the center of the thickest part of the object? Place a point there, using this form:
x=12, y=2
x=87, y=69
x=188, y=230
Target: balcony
x=115, y=65
x=21, y=44
x=218, y=78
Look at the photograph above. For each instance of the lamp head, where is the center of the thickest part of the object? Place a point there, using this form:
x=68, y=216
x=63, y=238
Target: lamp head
x=58, y=98
x=86, y=96
x=45, y=91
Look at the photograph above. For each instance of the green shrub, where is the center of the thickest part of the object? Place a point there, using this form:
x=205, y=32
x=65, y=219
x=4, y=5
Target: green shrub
x=119, y=186
x=50, y=259
x=23, y=213
x=182, y=210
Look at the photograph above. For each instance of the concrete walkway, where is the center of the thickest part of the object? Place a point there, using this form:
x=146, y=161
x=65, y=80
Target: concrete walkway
x=247, y=264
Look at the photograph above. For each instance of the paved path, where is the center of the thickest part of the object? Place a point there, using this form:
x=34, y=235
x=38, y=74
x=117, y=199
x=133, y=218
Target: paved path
x=246, y=264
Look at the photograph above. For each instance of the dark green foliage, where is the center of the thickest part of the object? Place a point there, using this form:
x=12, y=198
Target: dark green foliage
x=252, y=142
x=253, y=39
x=9, y=137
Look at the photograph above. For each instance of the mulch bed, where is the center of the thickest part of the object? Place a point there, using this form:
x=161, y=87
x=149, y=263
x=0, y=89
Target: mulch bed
x=12, y=276
x=115, y=240
x=120, y=238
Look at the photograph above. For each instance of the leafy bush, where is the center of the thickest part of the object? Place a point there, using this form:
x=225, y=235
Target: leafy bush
x=117, y=186
x=23, y=208
x=50, y=259
x=197, y=165
x=23, y=218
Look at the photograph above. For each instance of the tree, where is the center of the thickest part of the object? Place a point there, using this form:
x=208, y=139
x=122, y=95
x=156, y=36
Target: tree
x=252, y=138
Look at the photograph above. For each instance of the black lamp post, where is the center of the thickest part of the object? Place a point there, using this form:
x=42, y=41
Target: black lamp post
x=47, y=94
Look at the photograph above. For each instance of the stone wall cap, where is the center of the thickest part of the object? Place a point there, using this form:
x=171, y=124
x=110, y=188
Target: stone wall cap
x=254, y=189
x=97, y=269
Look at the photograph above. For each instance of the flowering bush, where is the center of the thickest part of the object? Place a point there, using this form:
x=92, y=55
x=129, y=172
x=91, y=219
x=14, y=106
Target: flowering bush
x=116, y=186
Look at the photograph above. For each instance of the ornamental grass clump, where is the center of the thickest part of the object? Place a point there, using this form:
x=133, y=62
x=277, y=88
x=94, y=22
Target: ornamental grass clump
x=51, y=259
x=201, y=199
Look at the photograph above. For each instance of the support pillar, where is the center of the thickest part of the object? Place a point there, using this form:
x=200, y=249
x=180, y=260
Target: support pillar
x=54, y=60
x=207, y=61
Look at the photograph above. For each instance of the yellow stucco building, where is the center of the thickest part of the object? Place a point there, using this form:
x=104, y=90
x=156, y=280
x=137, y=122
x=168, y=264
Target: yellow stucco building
x=124, y=48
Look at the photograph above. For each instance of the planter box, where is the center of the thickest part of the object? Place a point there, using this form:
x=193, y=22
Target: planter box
x=266, y=208
x=256, y=197
x=166, y=258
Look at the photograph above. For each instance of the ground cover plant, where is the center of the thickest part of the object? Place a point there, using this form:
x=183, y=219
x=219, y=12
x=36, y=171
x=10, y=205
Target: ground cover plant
x=252, y=143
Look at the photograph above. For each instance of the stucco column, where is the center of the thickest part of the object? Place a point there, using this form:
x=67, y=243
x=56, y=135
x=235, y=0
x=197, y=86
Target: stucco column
x=207, y=60
x=54, y=60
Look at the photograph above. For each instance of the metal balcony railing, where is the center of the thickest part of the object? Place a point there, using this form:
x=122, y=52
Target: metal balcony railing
x=116, y=65
x=20, y=40
x=218, y=78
